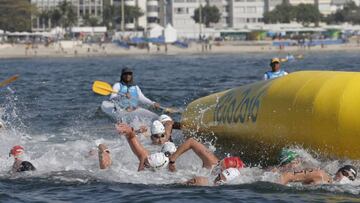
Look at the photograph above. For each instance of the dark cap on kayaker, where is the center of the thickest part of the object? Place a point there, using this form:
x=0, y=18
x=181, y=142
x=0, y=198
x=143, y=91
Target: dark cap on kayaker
x=126, y=70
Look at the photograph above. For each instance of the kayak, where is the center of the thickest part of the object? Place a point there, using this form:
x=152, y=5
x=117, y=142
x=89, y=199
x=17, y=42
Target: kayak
x=317, y=110
x=140, y=115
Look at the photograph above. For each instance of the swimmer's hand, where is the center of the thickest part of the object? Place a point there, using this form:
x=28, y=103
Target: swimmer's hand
x=142, y=129
x=172, y=166
x=123, y=128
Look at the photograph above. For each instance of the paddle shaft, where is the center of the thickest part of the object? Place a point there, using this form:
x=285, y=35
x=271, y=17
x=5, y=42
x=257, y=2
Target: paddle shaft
x=9, y=80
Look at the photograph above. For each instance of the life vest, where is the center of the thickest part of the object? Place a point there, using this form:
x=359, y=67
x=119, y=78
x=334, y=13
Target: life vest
x=271, y=75
x=134, y=96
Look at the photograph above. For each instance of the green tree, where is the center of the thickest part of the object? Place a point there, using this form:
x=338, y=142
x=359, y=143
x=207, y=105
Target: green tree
x=90, y=20
x=55, y=16
x=44, y=17
x=283, y=13
x=349, y=13
x=16, y=15
x=132, y=14
x=307, y=13
x=68, y=15
x=109, y=16
x=209, y=14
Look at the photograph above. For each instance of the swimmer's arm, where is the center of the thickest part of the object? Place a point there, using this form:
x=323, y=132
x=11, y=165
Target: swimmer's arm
x=135, y=145
x=141, y=165
x=168, y=129
x=308, y=176
x=207, y=157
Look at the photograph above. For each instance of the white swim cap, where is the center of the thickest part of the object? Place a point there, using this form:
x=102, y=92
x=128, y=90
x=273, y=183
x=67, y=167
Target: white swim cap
x=163, y=118
x=168, y=147
x=230, y=174
x=158, y=160
x=157, y=128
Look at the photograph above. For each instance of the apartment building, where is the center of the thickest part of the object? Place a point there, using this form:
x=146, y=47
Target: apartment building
x=83, y=7
x=244, y=12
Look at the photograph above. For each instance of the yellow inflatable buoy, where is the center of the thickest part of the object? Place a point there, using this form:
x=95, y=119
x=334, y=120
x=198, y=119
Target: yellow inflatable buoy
x=318, y=110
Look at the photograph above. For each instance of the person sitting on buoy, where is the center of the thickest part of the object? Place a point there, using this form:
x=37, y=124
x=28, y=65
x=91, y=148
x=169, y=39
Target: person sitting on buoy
x=128, y=95
x=147, y=161
x=276, y=70
x=20, y=165
x=318, y=176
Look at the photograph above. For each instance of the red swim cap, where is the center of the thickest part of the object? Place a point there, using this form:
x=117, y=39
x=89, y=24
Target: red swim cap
x=233, y=162
x=16, y=150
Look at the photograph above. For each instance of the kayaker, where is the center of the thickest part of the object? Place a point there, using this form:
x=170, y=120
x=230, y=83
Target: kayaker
x=318, y=176
x=129, y=95
x=20, y=165
x=276, y=70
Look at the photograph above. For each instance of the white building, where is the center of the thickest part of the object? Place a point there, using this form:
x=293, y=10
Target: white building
x=151, y=9
x=245, y=12
x=92, y=8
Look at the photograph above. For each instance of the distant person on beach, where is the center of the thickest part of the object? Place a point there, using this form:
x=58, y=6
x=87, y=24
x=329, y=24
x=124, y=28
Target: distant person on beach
x=318, y=176
x=20, y=165
x=128, y=95
x=276, y=70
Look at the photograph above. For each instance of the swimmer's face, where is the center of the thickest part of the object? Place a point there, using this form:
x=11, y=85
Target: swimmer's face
x=127, y=77
x=158, y=139
x=197, y=181
x=293, y=164
x=344, y=174
x=220, y=179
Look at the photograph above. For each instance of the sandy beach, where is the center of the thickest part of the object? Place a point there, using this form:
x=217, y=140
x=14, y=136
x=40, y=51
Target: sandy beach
x=110, y=49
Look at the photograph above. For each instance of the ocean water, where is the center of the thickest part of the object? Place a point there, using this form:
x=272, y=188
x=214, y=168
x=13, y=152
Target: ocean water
x=53, y=113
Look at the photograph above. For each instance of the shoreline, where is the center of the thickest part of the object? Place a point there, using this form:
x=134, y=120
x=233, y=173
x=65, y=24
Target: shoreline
x=8, y=51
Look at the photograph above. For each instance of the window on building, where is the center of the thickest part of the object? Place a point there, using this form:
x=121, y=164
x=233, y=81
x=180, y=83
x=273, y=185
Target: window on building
x=191, y=1
x=239, y=9
x=152, y=9
x=179, y=1
x=92, y=11
x=251, y=9
x=180, y=10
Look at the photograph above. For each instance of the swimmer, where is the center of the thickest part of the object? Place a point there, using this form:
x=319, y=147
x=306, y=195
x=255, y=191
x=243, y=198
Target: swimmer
x=20, y=165
x=146, y=160
x=276, y=70
x=318, y=176
x=225, y=177
x=288, y=160
x=104, y=156
x=209, y=160
x=161, y=130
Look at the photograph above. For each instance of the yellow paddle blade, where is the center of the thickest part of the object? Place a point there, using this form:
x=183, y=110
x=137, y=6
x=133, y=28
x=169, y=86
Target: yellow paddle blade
x=102, y=88
x=9, y=80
